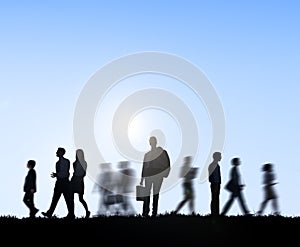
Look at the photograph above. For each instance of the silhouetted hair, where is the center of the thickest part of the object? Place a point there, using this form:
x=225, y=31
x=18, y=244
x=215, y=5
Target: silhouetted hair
x=153, y=138
x=79, y=154
x=267, y=167
x=234, y=161
x=216, y=155
x=61, y=150
x=31, y=163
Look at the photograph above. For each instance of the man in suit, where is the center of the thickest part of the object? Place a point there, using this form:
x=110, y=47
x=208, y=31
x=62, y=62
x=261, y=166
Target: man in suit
x=156, y=167
x=215, y=183
x=236, y=188
x=62, y=185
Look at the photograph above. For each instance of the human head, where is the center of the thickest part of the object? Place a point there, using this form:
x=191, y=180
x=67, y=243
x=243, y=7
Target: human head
x=153, y=141
x=60, y=152
x=80, y=155
x=31, y=164
x=267, y=167
x=217, y=156
x=187, y=160
x=123, y=164
x=236, y=161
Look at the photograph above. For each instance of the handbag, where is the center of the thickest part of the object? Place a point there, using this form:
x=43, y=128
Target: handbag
x=140, y=193
x=229, y=186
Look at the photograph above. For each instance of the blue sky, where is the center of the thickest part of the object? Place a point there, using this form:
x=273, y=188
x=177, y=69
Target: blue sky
x=249, y=50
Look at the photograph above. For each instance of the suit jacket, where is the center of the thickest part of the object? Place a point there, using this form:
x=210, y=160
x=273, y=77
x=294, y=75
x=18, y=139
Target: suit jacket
x=156, y=162
x=30, y=181
x=235, y=180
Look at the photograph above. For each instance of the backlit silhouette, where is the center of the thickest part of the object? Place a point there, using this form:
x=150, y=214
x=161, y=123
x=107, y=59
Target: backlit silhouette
x=269, y=180
x=156, y=167
x=62, y=185
x=30, y=189
x=188, y=173
x=77, y=180
x=215, y=183
x=126, y=185
x=235, y=187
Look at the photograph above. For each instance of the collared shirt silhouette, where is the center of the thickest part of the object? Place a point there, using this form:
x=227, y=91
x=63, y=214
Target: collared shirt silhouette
x=235, y=188
x=269, y=180
x=215, y=183
x=30, y=188
x=77, y=180
x=62, y=185
x=156, y=167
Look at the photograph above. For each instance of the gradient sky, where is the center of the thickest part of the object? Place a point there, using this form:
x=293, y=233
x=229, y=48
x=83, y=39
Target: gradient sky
x=248, y=49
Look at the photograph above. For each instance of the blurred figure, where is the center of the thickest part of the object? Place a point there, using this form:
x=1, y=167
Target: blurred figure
x=156, y=167
x=236, y=188
x=215, y=183
x=269, y=180
x=126, y=185
x=105, y=186
x=188, y=173
x=30, y=189
x=62, y=185
x=77, y=180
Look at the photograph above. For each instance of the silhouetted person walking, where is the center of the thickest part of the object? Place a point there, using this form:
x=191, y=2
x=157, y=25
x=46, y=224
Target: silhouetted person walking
x=30, y=189
x=77, y=180
x=188, y=173
x=214, y=172
x=126, y=185
x=156, y=167
x=62, y=185
x=269, y=180
x=236, y=188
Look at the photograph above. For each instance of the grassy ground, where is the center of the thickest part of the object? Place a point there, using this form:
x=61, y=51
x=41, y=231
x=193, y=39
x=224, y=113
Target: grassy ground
x=164, y=230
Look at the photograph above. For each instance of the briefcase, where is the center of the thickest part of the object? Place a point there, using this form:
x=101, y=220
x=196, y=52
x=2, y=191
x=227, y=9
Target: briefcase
x=140, y=193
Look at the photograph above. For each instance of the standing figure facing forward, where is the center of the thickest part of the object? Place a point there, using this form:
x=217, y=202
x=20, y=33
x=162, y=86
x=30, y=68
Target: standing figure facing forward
x=156, y=167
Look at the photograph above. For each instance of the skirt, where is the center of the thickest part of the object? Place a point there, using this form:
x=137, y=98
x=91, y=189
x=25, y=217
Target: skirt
x=77, y=185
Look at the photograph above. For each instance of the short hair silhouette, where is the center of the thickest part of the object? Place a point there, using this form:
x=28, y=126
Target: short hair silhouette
x=267, y=167
x=153, y=140
x=31, y=163
x=234, y=161
x=61, y=150
x=216, y=155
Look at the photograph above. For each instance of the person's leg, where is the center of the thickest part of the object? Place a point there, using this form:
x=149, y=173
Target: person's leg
x=84, y=204
x=28, y=202
x=191, y=203
x=262, y=207
x=242, y=203
x=275, y=206
x=68, y=195
x=156, y=189
x=228, y=204
x=146, y=203
x=215, y=193
x=181, y=204
x=55, y=198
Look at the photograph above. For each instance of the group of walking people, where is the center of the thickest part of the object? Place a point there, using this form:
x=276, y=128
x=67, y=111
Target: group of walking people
x=63, y=185
x=234, y=186
x=156, y=167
